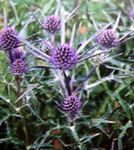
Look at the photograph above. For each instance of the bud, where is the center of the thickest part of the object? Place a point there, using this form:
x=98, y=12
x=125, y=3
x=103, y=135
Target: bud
x=17, y=62
x=18, y=67
x=52, y=24
x=107, y=38
x=71, y=105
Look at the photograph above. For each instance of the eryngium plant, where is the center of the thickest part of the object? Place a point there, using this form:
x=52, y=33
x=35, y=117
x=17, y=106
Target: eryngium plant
x=70, y=97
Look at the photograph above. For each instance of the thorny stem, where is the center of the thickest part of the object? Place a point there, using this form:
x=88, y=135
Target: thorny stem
x=38, y=67
x=17, y=82
x=67, y=83
x=5, y=17
x=92, y=55
x=24, y=127
x=90, y=73
x=52, y=38
x=86, y=78
x=36, y=19
x=90, y=18
x=75, y=136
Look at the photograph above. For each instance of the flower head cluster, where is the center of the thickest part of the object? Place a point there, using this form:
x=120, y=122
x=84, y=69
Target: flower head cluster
x=18, y=67
x=17, y=63
x=63, y=57
x=8, y=38
x=71, y=105
x=107, y=38
x=52, y=24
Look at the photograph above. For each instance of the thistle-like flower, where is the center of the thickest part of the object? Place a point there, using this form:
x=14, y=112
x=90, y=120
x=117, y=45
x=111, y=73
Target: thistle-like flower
x=63, y=57
x=8, y=38
x=71, y=105
x=107, y=38
x=52, y=24
x=18, y=67
x=17, y=62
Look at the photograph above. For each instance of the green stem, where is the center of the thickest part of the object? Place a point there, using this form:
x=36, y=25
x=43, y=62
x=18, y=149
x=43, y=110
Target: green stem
x=24, y=126
x=75, y=136
x=67, y=83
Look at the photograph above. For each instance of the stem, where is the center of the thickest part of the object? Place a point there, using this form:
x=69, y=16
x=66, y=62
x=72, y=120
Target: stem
x=76, y=137
x=67, y=83
x=52, y=38
x=86, y=78
x=24, y=127
x=90, y=73
x=5, y=16
x=17, y=82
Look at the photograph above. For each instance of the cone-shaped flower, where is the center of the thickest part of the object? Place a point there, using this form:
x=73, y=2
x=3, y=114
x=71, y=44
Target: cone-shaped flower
x=52, y=24
x=18, y=67
x=17, y=62
x=72, y=106
x=107, y=38
x=8, y=38
x=63, y=57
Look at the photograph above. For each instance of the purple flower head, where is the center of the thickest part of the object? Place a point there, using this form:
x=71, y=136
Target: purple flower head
x=18, y=67
x=63, y=57
x=107, y=38
x=52, y=24
x=17, y=62
x=71, y=105
x=8, y=39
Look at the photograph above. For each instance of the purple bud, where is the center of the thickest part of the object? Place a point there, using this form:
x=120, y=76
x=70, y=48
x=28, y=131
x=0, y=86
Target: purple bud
x=52, y=24
x=63, y=57
x=71, y=104
x=8, y=39
x=107, y=38
x=18, y=67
